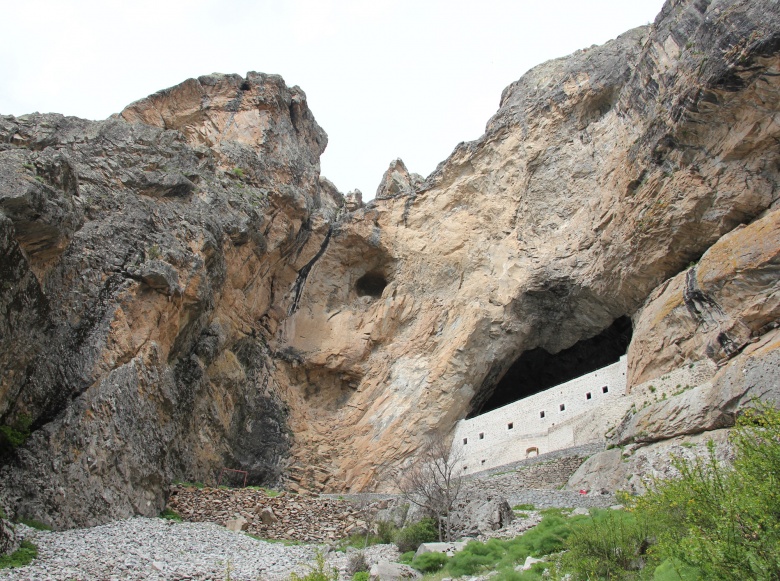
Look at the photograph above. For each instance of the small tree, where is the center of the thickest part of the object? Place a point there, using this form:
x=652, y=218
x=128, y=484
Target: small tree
x=434, y=484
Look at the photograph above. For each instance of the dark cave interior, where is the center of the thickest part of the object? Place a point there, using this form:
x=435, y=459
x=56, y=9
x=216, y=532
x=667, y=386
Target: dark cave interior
x=537, y=370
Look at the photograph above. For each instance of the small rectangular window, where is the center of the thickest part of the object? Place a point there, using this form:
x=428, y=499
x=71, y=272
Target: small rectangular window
x=541, y=414
x=482, y=435
x=604, y=389
x=509, y=426
x=563, y=407
x=588, y=396
x=465, y=441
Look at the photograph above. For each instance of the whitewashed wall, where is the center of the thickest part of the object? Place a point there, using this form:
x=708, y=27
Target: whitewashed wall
x=490, y=441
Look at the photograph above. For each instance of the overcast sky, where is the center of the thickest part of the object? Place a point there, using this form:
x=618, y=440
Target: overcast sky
x=385, y=79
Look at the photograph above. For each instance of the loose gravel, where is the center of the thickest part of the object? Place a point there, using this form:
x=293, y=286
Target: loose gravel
x=155, y=549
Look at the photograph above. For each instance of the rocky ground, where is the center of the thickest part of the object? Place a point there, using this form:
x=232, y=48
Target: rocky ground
x=286, y=516
x=158, y=549
x=203, y=548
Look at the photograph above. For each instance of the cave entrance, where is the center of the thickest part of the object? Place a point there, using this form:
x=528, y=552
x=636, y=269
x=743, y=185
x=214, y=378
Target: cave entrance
x=371, y=284
x=537, y=370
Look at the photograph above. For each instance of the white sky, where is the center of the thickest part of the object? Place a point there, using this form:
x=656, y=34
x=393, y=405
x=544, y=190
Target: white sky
x=385, y=79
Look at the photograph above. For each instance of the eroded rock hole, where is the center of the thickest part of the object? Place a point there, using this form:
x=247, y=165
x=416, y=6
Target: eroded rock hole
x=371, y=284
x=537, y=370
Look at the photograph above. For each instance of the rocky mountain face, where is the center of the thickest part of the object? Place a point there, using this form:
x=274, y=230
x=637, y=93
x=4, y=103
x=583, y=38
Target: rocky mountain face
x=182, y=291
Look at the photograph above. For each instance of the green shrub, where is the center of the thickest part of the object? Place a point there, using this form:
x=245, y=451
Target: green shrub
x=712, y=522
x=406, y=558
x=238, y=172
x=319, y=572
x=412, y=536
x=430, y=562
x=724, y=521
x=360, y=576
x=386, y=530
x=15, y=434
x=19, y=558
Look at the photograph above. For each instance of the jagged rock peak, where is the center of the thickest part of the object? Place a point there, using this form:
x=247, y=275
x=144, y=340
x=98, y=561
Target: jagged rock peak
x=226, y=112
x=398, y=181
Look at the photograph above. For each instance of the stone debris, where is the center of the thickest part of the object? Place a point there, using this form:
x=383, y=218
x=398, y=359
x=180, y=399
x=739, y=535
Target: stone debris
x=287, y=516
x=154, y=549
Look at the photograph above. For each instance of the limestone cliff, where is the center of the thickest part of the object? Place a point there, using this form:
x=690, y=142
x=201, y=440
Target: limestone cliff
x=182, y=291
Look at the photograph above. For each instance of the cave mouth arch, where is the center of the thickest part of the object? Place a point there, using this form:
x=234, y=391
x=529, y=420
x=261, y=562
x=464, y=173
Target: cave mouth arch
x=537, y=370
x=371, y=284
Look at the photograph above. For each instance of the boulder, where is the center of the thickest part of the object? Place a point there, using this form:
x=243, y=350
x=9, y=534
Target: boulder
x=9, y=539
x=529, y=562
x=480, y=515
x=448, y=549
x=387, y=571
x=267, y=516
x=237, y=524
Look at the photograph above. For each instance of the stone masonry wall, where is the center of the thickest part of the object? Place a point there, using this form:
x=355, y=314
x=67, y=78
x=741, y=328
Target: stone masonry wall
x=491, y=442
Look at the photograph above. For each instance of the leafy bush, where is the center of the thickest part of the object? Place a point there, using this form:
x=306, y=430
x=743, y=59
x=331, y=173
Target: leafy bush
x=406, y=558
x=360, y=576
x=725, y=521
x=412, y=536
x=19, y=558
x=429, y=562
x=713, y=522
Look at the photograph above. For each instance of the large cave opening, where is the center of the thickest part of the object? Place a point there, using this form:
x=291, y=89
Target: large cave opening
x=537, y=370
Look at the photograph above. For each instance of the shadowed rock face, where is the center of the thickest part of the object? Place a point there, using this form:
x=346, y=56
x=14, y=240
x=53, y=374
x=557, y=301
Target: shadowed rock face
x=537, y=370
x=182, y=291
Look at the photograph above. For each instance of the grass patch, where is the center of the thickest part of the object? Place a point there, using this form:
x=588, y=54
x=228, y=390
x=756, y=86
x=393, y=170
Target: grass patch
x=19, y=558
x=269, y=492
x=198, y=485
x=169, y=514
x=35, y=524
x=525, y=506
x=503, y=555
